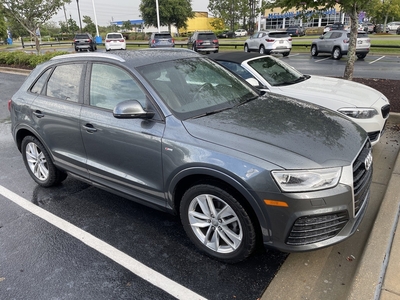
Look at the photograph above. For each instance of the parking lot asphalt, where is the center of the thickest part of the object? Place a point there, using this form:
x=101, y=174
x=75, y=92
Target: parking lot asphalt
x=366, y=265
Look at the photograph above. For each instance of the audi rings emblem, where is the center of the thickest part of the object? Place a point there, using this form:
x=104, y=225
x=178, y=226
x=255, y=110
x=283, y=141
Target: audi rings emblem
x=368, y=161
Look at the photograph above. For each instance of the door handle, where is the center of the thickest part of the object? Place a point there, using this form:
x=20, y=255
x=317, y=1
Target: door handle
x=89, y=128
x=38, y=114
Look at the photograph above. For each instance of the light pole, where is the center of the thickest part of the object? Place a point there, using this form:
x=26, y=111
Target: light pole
x=158, y=16
x=98, y=37
x=79, y=15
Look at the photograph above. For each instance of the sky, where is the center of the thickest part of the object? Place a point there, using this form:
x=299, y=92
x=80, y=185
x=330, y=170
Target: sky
x=108, y=10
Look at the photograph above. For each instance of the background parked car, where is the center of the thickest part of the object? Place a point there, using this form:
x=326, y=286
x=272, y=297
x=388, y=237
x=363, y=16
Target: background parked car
x=295, y=30
x=205, y=42
x=367, y=107
x=336, y=42
x=226, y=34
x=393, y=25
x=398, y=30
x=161, y=40
x=172, y=129
x=369, y=27
x=241, y=32
x=267, y=42
x=84, y=41
x=114, y=41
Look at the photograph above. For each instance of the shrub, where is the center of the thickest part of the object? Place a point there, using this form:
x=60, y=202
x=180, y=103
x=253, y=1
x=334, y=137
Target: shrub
x=26, y=60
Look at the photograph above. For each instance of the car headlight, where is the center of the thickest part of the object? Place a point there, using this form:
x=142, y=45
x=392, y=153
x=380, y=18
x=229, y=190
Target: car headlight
x=307, y=180
x=358, y=112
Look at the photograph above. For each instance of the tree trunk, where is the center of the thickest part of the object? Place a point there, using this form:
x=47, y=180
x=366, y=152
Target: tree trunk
x=37, y=43
x=351, y=55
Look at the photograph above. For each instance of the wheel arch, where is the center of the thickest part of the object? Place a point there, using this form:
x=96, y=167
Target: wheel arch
x=200, y=175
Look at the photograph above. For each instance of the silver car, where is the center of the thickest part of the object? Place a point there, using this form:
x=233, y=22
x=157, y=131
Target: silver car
x=269, y=42
x=176, y=131
x=336, y=42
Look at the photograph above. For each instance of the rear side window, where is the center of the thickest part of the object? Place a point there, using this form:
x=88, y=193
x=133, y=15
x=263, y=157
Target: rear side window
x=65, y=81
x=39, y=84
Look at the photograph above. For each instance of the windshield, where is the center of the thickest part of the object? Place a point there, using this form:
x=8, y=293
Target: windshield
x=196, y=86
x=274, y=71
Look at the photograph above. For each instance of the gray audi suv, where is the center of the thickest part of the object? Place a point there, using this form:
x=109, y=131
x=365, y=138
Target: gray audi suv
x=173, y=130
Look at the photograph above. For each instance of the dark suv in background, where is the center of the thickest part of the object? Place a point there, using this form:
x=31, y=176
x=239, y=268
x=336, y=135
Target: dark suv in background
x=84, y=41
x=203, y=42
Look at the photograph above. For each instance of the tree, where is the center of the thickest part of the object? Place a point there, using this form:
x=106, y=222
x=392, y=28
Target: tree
x=234, y=11
x=126, y=25
x=351, y=7
x=90, y=26
x=31, y=14
x=172, y=12
x=3, y=27
x=383, y=10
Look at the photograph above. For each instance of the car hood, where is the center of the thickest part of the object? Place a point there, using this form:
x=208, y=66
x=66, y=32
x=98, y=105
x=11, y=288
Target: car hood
x=289, y=133
x=330, y=92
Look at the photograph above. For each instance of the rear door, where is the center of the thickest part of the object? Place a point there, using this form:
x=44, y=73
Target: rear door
x=56, y=111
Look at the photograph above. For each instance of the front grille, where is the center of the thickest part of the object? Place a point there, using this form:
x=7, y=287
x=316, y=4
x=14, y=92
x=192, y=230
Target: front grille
x=362, y=177
x=385, y=111
x=373, y=136
x=313, y=229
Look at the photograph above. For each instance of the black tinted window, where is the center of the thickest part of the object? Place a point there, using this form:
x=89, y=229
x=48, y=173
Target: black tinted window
x=114, y=36
x=82, y=36
x=65, y=81
x=162, y=36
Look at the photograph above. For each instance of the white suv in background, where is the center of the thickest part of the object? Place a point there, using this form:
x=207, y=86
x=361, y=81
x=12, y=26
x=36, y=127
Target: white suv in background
x=269, y=42
x=115, y=41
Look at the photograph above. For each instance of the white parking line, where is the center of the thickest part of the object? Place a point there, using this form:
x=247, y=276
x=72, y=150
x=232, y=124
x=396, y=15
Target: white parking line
x=374, y=61
x=155, y=278
x=322, y=59
x=291, y=55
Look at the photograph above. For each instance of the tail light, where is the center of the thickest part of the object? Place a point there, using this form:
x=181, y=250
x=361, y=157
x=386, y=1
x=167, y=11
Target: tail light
x=269, y=40
x=9, y=105
x=290, y=39
x=107, y=41
x=172, y=41
x=153, y=41
x=346, y=41
x=198, y=42
x=122, y=40
x=215, y=41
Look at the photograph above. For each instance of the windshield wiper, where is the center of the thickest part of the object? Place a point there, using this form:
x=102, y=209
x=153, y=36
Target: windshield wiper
x=300, y=79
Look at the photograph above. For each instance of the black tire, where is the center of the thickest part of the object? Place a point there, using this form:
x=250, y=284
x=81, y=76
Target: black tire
x=336, y=53
x=194, y=48
x=262, y=49
x=286, y=53
x=39, y=164
x=314, y=50
x=226, y=241
x=246, y=48
x=361, y=56
x=76, y=49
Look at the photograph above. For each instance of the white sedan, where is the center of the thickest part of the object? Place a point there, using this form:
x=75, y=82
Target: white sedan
x=366, y=106
x=241, y=32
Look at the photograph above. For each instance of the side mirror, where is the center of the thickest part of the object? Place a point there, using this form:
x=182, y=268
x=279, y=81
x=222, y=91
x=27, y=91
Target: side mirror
x=253, y=81
x=131, y=109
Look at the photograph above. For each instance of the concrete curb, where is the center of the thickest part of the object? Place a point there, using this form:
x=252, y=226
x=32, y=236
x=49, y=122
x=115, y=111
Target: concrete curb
x=15, y=71
x=375, y=277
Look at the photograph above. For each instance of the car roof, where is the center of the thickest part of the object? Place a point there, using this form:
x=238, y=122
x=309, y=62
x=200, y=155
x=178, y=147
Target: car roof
x=237, y=57
x=134, y=58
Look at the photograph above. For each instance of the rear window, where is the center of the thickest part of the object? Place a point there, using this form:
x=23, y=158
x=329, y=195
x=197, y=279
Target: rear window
x=114, y=36
x=359, y=35
x=279, y=34
x=207, y=36
x=81, y=36
x=162, y=36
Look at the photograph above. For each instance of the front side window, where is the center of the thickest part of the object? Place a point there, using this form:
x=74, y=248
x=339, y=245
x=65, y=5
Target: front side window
x=110, y=85
x=65, y=82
